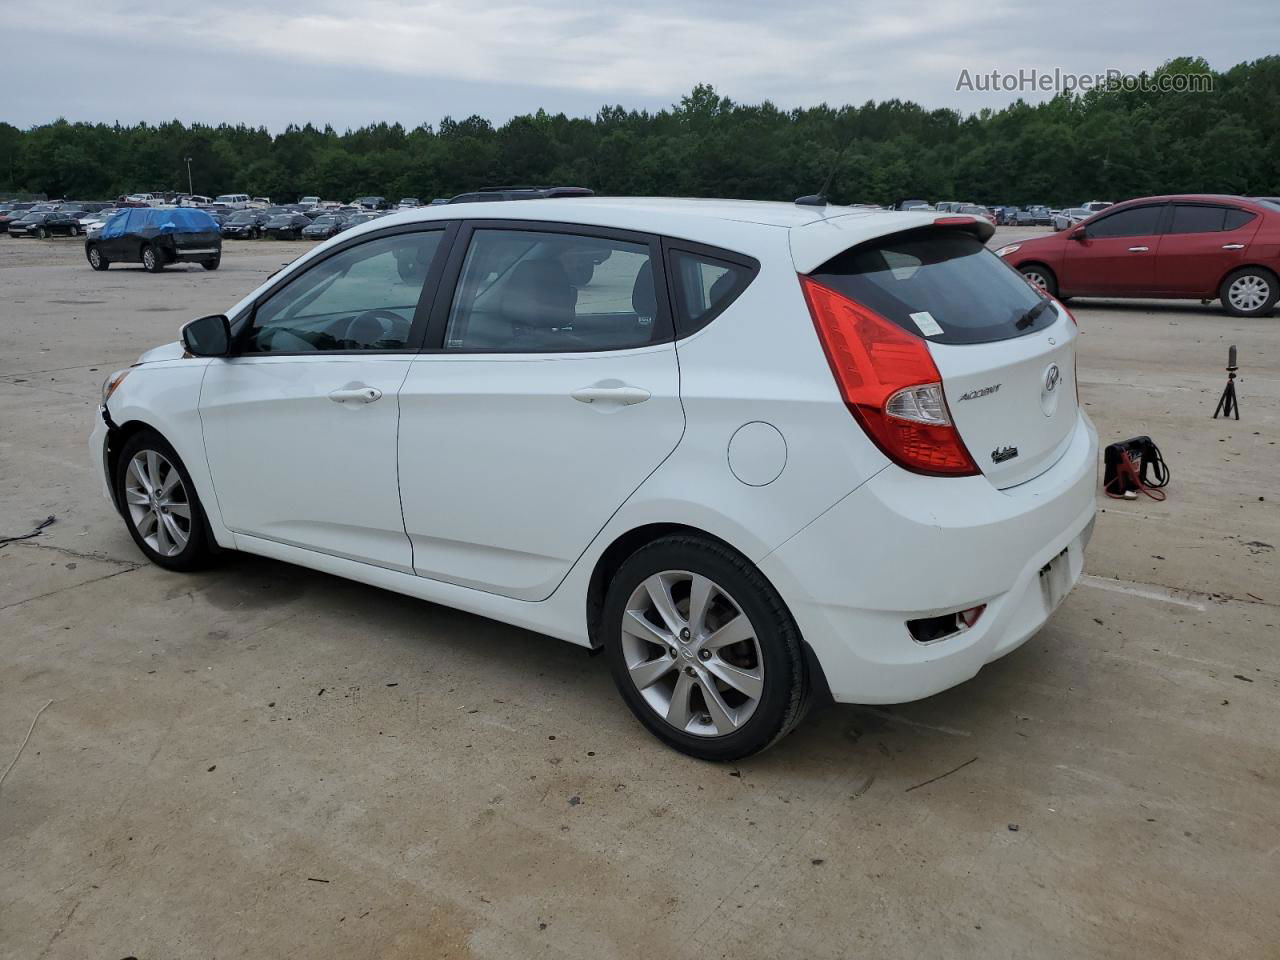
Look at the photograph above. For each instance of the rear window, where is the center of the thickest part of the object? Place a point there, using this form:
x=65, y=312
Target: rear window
x=1196, y=218
x=1236, y=218
x=944, y=285
x=705, y=286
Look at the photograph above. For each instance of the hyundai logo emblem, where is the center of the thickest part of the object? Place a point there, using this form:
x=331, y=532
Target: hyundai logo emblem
x=1051, y=378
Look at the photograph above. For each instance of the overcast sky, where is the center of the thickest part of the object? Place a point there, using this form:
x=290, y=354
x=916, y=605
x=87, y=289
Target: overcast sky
x=353, y=62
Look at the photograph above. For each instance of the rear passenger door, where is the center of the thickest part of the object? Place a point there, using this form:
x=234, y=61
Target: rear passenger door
x=547, y=393
x=1203, y=244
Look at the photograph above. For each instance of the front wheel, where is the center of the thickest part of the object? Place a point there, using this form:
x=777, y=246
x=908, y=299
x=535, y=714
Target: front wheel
x=152, y=261
x=42, y=233
x=1042, y=277
x=97, y=260
x=160, y=505
x=1249, y=292
x=703, y=649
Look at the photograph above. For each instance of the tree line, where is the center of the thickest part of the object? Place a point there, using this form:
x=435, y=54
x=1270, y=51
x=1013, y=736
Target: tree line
x=1103, y=144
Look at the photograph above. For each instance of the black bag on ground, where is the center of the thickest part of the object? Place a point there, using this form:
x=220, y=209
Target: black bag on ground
x=1133, y=465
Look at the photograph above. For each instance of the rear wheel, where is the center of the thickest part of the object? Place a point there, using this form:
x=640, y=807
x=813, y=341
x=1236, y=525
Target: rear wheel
x=211, y=264
x=1041, y=276
x=161, y=508
x=152, y=261
x=703, y=649
x=1249, y=292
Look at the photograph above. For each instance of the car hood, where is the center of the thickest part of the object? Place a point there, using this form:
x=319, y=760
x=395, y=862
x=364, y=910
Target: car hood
x=1050, y=242
x=170, y=351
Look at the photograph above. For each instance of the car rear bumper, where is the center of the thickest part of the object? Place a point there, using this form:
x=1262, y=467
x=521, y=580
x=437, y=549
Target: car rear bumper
x=904, y=546
x=196, y=254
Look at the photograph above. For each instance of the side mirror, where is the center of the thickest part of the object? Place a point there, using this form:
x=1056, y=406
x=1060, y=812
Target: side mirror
x=208, y=336
x=1079, y=234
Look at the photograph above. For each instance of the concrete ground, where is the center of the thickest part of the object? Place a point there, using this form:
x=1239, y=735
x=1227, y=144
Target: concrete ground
x=261, y=761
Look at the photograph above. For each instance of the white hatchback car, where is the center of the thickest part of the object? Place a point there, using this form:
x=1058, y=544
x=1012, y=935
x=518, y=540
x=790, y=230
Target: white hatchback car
x=754, y=451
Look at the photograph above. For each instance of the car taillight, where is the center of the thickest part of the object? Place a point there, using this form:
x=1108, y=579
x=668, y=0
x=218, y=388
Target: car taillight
x=890, y=384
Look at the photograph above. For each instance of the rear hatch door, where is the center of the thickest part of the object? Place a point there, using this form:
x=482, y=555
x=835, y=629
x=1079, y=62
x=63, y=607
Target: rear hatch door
x=1014, y=401
x=1005, y=353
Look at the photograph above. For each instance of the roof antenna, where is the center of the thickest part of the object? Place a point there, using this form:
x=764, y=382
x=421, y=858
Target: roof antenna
x=819, y=199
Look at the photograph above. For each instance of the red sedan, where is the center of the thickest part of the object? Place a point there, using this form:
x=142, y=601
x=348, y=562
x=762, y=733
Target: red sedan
x=1193, y=247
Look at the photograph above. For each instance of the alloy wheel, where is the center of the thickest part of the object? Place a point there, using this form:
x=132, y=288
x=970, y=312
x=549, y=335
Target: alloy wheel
x=95, y=258
x=1037, y=278
x=1249, y=292
x=158, y=504
x=692, y=653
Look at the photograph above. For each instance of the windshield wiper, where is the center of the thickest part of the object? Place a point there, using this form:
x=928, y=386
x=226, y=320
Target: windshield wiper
x=1028, y=318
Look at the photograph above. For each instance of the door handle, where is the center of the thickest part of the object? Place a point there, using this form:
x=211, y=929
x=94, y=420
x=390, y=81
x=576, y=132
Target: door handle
x=1233, y=246
x=622, y=394
x=359, y=394
x=1139, y=249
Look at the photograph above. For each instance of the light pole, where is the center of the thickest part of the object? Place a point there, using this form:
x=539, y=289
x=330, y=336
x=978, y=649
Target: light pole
x=190, y=189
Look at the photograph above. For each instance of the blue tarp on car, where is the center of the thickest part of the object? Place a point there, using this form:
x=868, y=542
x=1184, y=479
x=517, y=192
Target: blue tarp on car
x=175, y=220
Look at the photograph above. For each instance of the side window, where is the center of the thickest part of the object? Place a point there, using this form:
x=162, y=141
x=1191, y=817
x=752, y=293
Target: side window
x=363, y=298
x=525, y=291
x=1133, y=222
x=1236, y=218
x=704, y=287
x=1196, y=218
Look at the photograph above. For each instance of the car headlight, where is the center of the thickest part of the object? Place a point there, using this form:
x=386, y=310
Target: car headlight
x=112, y=382
x=1008, y=249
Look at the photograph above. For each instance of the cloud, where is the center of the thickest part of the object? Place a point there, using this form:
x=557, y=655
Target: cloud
x=356, y=61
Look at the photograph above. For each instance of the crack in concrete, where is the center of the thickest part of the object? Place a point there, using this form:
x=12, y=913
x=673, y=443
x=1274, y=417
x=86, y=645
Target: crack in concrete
x=73, y=586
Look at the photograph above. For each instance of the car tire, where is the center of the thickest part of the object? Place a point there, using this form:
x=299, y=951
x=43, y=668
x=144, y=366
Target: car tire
x=1041, y=276
x=147, y=464
x=1249, y=292
x=96, y=259
x=715, y=703
x=42, y=233
x=152, y=259
x=75, y=231
x=211, y=264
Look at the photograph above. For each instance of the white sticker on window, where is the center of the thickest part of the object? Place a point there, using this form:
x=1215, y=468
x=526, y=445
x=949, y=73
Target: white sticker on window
x=928, y=326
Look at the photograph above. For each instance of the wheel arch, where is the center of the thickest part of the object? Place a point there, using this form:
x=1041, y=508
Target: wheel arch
x=627, y=543
x=1039, y=265
x=1245, y=266
x=120, y=434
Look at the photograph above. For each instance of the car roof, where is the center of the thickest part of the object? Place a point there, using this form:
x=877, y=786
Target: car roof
x=815, y=233
x=1194, y=197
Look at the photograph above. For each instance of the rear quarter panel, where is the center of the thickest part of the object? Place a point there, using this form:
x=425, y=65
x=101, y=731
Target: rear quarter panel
x=758, y=362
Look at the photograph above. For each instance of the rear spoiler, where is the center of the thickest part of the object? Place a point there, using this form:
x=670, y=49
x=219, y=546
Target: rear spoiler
x=815, y=243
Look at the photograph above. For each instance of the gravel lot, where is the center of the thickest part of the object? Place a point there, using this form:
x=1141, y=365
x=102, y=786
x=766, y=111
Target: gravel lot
x=262, y=761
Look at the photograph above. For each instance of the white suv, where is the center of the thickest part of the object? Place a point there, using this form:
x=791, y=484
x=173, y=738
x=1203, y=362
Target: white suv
x=755, y=451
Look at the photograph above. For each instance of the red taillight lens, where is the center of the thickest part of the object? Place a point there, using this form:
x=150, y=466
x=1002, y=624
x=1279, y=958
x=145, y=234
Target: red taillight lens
x=889, y=383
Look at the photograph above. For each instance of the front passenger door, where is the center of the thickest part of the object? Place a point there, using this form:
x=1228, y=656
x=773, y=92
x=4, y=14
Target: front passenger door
x=300, y=424
x=1117, y=255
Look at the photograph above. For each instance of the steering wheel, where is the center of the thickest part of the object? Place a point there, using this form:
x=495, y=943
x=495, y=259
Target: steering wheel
x=371, y=326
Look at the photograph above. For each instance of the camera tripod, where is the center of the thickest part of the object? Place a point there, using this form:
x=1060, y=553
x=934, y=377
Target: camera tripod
x=1228, y=405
